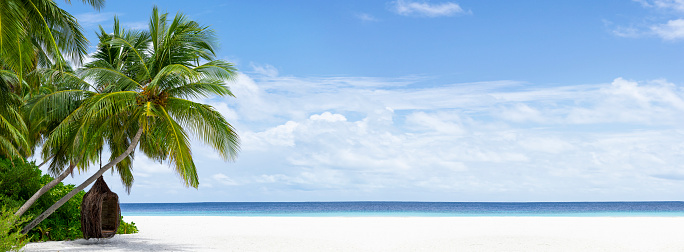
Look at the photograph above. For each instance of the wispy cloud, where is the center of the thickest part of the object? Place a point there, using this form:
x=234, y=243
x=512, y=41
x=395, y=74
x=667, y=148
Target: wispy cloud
x=672, y=30
x=94, y=18
x=627, y=32
x=135, y=25
x=677, y=5
x=264, y=70
x=224, y=179
x=412, y=8
x=366, y=17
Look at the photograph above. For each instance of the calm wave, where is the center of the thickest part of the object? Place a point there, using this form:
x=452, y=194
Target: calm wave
x=365, y=208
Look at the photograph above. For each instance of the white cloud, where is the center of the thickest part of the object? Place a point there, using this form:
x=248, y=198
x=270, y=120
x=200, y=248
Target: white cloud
x=272, y=178
x=146, y=167
x=90, y=19
x=379, y=135
x=658, y=103
x=136, y=25
x=250, y=98
x=366, y=17
x=320, y=179
x=410, y=8
x=359, y=138
x=224, y=179
x=677, y=5
x=379, y=156
x=552, y=145
x=266, y=70
x=521, y=112
x=278, y=136
x=620, y=101
x=628, y=32
x=446, y=123
x=327, y=116
x=672, y=30
x=94, y=18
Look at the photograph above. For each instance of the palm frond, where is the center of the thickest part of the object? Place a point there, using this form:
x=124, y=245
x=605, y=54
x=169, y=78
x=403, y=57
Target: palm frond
x=218, y=69
x=177, y=143
x=12, y=128
x=200, y=90
x=12, y=23
x=109, y=80
x=55, y=106
x=208, y=124
x=175, y=74
x=96, y=4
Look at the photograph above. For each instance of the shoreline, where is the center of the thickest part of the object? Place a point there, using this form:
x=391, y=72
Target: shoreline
x=228, y=233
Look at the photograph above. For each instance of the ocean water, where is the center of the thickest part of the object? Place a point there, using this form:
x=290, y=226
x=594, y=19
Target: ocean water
x=408, y=209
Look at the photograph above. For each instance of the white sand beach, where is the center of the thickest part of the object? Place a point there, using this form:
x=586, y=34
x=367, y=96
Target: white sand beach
x=218, y=233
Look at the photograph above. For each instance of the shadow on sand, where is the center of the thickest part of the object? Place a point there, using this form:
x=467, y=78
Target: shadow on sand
x=116, y=243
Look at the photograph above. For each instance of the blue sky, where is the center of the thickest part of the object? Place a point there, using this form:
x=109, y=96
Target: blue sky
x=435, y=100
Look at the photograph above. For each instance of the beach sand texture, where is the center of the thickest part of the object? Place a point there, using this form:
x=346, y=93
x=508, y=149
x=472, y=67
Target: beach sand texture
x=223, y=233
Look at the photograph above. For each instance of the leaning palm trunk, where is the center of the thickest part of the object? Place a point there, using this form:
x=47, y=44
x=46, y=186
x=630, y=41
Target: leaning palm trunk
x=60, y=202
x=46, y=160
x=43, y=190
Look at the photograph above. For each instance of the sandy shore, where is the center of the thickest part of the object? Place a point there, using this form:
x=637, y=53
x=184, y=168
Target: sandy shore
x=204, y=233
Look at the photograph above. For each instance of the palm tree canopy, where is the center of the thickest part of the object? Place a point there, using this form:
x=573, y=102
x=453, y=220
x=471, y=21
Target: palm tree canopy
x=148, y=80
x=39, y=33
x=33, y=34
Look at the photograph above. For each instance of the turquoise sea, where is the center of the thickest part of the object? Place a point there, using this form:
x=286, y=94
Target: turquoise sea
x=417, y=209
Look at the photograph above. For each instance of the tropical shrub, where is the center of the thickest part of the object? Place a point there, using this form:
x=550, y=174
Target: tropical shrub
x=127, y=228
x=65, y=224
x=20, y=179
x=11, y=238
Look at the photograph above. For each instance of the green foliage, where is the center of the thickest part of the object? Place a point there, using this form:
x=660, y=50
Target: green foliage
x=126, y=228
x=19, y=180
x=11, y=238
x=65, y=222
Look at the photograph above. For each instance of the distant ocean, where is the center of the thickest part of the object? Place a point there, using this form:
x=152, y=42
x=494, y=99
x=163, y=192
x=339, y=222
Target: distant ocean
x=408, y=209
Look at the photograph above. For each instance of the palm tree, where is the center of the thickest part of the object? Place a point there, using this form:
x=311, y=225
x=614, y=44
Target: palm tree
x=41, y=123
x=64, y=88
x=147, y=102
x=33, y=34
x=38, y=33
